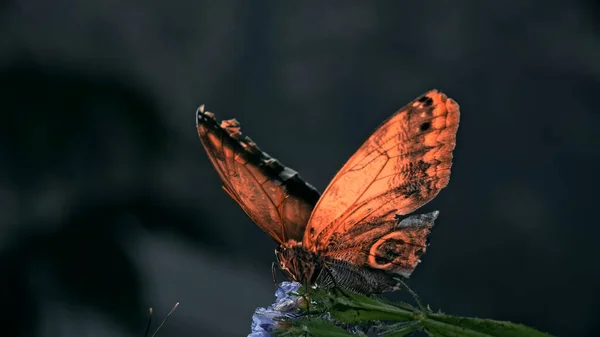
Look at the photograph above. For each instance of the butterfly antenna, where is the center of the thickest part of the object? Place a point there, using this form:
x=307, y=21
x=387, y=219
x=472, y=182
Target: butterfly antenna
x=149, y=323
x=165, y=320
x=415, y=296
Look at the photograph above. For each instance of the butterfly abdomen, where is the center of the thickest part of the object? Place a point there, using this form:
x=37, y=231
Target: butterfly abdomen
x=338, y=273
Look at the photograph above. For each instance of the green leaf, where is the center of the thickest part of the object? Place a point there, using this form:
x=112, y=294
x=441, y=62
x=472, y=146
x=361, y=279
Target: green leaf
x=449, y=326
x=401, y=329
x=352, y=308
x=314, y=327
x=349, y=307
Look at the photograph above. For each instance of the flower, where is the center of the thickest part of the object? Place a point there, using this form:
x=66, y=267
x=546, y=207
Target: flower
x=286, y=305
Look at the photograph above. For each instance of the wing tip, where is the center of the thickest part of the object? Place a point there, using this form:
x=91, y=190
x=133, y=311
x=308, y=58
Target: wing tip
x=202, y=115
x=450, y=103
x=452, y=107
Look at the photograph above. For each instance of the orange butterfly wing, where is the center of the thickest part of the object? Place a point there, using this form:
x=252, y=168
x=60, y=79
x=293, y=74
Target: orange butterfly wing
x=272, y=195
x=402, y=166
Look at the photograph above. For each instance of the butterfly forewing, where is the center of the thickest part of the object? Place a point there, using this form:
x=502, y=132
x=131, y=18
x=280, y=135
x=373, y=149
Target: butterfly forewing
x=272, y=195
x=402, y=166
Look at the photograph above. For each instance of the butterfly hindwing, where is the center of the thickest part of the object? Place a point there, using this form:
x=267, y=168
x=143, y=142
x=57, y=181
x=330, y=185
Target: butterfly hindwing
x=272, y=195
x=393, y=246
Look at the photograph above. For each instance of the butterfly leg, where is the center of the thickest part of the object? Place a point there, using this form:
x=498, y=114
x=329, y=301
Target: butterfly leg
x=274, y=274
x=335, y=285
x=306, y=297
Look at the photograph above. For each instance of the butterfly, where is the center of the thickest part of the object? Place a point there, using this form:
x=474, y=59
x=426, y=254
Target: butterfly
x=357, y=235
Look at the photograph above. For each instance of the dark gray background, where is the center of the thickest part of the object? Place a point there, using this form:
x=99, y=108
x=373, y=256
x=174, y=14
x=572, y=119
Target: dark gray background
x=108, y=203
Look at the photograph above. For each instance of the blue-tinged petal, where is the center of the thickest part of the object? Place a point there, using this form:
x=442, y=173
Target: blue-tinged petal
x=285, y=288
x=286, y=305
x=260, y=334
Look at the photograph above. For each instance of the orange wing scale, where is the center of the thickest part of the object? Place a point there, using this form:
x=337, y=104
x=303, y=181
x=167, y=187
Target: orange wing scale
x=272, y=195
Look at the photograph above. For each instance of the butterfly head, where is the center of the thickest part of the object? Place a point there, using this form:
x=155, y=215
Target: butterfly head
x=297, y=263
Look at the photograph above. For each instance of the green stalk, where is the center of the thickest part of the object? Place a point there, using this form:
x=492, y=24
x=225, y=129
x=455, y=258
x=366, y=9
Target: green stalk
x=352, y=308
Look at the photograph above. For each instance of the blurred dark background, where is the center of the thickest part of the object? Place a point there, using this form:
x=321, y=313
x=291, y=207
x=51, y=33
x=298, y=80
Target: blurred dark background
x=109, y=204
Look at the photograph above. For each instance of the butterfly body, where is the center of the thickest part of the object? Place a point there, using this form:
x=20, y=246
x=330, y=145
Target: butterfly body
x=299, y=264
x=309, y=268
x=358, y=234
x=325, y=269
